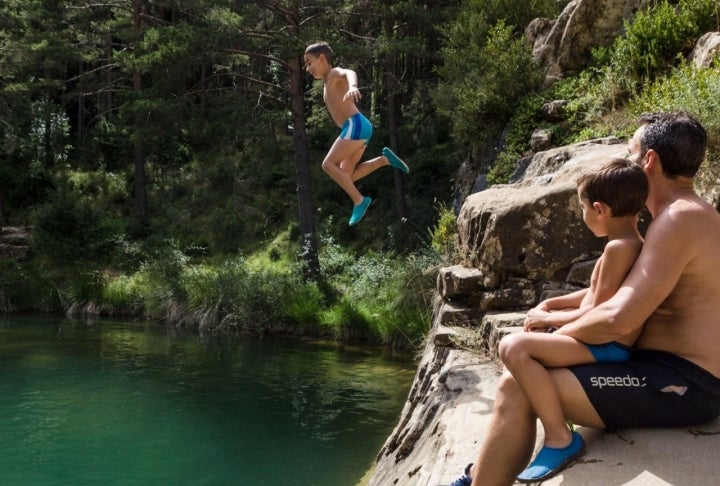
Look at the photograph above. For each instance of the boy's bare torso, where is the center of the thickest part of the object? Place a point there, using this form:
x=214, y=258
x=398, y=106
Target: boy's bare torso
x=334, y=89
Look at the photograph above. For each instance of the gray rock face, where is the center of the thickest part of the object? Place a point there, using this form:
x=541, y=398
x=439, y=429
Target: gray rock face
x=706, y=50
x=14, y=242
x=532, y=229
x=563, y=45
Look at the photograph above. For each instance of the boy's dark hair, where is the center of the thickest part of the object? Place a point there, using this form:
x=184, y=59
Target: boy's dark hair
x=678, y=139
x=321, y=48
x=619, y=183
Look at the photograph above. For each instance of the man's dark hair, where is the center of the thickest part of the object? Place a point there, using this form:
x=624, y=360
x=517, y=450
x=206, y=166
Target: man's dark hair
x=321, y=48
x=677, y=138
x=619, y=183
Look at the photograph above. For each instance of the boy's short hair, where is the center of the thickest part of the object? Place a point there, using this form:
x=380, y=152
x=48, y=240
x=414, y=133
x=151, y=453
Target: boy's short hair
x=619, y=183
x=321, y=48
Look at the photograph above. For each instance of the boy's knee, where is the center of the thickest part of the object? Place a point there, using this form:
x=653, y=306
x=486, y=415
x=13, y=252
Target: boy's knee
x=510, y=348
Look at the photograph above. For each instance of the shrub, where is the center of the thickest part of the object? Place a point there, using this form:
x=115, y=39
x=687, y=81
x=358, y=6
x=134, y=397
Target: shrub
x=657, y=38
x=444, y=236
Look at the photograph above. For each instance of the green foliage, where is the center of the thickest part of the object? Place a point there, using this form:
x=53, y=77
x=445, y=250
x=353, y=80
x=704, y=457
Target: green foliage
x=380, y=297
x=481, y=87
x=690, y=89
x=71, y=228
x=25, y=288
x=444, y=235
x=517, y=140
x=487, y=65
x=657, y=38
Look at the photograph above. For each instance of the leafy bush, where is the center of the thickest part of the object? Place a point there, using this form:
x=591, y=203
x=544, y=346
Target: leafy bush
x=23, y=287
x=480, y=95
x=70, y=228
x=444, y=235
x=696, y=91
x=657, y=38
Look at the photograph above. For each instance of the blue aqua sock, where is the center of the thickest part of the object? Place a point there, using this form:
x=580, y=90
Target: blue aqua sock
x=551, y=460
x=359, y=211
x=395, y=161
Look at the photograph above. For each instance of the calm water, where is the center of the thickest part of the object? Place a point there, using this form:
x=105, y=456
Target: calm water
x=134, y=403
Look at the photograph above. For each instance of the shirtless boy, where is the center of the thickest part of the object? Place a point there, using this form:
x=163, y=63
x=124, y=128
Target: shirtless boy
x=342, y=162
x=671, y=293
x=611, y=196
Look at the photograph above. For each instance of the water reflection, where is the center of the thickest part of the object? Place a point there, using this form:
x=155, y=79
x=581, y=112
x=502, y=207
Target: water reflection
x=128, y=403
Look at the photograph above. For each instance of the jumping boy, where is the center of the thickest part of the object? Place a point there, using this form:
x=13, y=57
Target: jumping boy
x=610, y=198
x=342, y=162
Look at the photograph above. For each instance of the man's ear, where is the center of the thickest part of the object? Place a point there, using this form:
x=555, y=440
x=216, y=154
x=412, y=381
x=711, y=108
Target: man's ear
x=651, y=161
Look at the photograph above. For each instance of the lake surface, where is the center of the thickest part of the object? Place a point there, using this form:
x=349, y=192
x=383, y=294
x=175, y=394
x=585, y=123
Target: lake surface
x=135, y=403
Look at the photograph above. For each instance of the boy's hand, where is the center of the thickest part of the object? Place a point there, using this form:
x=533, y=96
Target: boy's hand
x=535, y=320
x=353, y=94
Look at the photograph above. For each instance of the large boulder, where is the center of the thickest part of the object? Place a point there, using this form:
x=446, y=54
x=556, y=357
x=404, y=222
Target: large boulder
x=532, y=229
x=564, y=45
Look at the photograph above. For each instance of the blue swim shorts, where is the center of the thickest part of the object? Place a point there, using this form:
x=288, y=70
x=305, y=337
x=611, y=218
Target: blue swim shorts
x=357, y=127
x=610, y=352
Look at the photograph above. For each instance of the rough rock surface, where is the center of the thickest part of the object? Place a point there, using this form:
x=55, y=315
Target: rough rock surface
x=564, y=45
x=449, y=410
x=706, y=50
x=14, y=242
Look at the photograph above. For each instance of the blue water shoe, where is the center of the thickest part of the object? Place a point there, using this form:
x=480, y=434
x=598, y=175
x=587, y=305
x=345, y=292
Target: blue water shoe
x=551, y=460
x=465, y=479
x=395, y=161
x=359, y=211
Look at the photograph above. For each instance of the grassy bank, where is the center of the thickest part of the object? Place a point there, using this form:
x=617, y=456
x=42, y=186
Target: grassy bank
x=374, y=298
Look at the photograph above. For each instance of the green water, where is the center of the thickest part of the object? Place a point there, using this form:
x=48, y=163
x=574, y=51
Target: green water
x=134, y=403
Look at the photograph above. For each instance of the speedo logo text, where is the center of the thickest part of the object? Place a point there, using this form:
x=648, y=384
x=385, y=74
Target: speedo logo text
x=617, y=381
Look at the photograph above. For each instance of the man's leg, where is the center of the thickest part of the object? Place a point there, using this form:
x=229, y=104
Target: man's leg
x=510, y=439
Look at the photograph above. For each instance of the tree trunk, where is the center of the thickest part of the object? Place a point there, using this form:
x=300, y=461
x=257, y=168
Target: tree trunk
x=393, y=124
x=311, y=267
x=139, y=148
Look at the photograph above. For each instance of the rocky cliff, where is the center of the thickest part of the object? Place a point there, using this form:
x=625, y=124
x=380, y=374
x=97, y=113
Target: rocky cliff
x=520, y=243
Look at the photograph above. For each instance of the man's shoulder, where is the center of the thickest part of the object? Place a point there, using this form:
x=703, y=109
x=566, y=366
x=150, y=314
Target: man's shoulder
x=688, y=210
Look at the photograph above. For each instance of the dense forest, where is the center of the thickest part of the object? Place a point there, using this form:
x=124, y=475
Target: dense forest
x=166, y=154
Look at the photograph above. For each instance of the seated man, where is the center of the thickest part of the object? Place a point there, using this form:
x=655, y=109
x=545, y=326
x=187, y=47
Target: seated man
x=673, y=290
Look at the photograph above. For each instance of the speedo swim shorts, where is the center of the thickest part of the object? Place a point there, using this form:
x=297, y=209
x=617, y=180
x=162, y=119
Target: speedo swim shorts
x=653, y=389
x=357, y=127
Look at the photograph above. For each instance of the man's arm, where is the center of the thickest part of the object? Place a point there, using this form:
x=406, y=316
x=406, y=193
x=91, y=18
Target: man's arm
x=669, y=246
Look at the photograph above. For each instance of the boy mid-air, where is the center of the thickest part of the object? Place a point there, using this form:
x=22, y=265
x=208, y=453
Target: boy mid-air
x=342, y=162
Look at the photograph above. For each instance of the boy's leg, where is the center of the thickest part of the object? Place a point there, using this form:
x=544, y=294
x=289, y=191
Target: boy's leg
x=344, y=155
x=371, y=165
x=510, y=438
x=526, y=355
x=366, y=168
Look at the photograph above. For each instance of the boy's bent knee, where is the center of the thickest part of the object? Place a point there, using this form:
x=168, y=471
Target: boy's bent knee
x=511, y=349
x=327, y=165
